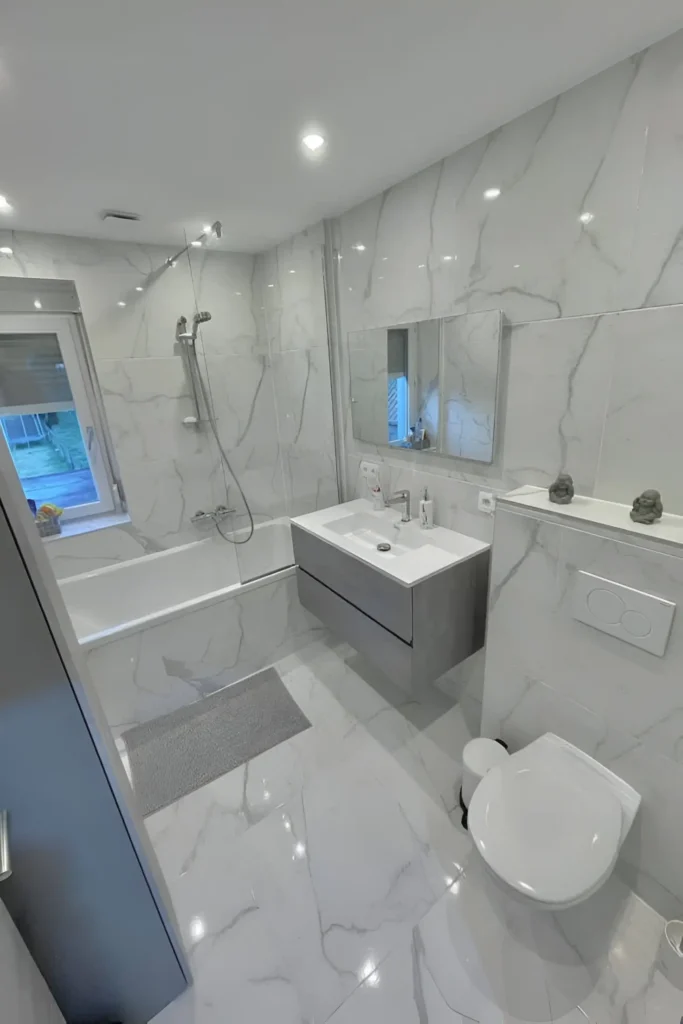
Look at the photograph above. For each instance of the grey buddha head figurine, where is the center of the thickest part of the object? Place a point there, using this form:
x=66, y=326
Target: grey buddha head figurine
x=647, y=508
x=562, y=490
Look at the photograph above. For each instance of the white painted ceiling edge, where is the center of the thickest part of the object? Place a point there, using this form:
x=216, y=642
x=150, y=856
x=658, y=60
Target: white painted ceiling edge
x=188, y=112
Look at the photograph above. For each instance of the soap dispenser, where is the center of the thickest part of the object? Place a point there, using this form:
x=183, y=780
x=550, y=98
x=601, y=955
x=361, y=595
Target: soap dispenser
x=426, y=511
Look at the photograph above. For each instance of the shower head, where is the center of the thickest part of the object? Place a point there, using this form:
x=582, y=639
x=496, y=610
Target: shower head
x=201, y=318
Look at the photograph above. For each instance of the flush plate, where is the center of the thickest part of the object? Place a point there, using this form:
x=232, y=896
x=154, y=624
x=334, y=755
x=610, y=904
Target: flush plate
x=633, y=616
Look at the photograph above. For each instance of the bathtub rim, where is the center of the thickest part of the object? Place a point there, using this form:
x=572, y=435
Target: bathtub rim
x=126, y=629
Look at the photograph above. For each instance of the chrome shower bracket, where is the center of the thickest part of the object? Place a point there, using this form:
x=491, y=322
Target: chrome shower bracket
x=186, y=342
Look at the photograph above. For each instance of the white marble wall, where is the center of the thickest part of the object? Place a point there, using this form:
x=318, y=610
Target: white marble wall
x=546, y=671
x=168, y=470
x=162, y=668
x=609, y=149
x=290, y=285
x=265, y=359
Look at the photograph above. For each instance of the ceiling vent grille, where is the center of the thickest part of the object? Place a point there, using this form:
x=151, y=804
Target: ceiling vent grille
x=119, y=215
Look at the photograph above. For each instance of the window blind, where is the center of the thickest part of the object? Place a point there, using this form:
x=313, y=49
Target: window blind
x=31, y=371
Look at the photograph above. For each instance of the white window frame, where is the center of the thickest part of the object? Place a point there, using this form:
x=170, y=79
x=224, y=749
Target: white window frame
x=65, y=327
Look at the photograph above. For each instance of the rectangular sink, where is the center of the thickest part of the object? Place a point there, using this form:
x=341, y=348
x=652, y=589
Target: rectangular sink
x=367, y=531
x=414, y=554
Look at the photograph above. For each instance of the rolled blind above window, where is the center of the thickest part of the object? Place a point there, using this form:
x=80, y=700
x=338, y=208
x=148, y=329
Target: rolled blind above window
x=31, y=371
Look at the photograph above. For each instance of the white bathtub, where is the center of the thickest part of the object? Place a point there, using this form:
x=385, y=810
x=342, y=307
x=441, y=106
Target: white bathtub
x=120, y=599
x=165, y=630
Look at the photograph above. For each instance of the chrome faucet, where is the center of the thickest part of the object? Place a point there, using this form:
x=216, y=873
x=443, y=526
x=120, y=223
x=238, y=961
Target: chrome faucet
x=400, y=497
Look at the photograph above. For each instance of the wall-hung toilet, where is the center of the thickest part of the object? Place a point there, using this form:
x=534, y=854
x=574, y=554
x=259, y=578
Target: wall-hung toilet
x=549, y=822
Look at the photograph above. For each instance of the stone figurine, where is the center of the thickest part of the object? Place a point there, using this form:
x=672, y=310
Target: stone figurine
x=647, y=508
x=562, y=491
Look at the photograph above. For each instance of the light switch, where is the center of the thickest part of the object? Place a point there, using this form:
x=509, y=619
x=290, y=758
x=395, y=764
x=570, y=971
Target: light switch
x=633, y=616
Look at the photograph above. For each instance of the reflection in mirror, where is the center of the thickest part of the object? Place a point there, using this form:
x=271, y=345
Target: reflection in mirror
x=428, y=386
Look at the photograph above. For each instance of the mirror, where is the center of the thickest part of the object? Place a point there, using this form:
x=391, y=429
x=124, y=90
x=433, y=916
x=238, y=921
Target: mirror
x=428, y=386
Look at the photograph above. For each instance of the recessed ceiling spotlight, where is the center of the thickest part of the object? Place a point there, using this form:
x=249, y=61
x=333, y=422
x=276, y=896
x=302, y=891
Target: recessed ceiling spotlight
x=449, y=258
x=196, y=244
x=421, y=266
x=586, y=217
x=5, y=205
x=292, y=271
x=359, y=247
x=139, y=288
x=271, y=285
x=313, y=142
x=5, y=250
x=37, y=303
x=491, y=193
x=120, y=303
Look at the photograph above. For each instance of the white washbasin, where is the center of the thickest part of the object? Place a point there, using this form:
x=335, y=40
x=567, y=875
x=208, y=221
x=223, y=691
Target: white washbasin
x=414, y=555
x=369, y=531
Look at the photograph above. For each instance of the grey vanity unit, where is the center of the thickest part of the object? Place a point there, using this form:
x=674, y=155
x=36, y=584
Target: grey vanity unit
x=412, y=632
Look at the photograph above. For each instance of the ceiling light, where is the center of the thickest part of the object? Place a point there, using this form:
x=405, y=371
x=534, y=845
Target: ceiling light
x=139, y=288
x=37, y=303
x=516, y=266
x=384, y=259
x=491, y=193
x=449, y=258
x=238, y=293
x=359, y=247
x=5, y=250
x=120, y=303
x=196, y=243
x=206, y=230
x=292, y=271
x=5, y=205
x=586, y=217
x=313, y=142
x=421, y=266
x=271, y=285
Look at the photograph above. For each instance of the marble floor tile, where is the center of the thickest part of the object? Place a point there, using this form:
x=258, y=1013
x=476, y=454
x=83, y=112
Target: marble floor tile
x=325, y=881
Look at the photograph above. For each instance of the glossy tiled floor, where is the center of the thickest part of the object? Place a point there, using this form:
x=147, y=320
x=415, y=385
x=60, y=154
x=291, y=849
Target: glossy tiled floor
x=325, y=880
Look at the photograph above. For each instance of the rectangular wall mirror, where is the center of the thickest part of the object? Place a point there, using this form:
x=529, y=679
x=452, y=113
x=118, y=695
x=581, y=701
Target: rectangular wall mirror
x=428, y=386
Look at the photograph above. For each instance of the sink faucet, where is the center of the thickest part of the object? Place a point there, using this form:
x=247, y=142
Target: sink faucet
x=401, y=497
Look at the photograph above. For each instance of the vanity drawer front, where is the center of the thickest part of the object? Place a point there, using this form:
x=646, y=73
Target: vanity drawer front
x=363, y=633
x=384, y=600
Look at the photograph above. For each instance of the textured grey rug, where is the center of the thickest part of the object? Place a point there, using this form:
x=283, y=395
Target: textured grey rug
x=173, y=755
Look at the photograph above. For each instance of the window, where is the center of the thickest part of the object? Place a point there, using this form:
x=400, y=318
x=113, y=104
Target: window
x=48, y=415
x=397, y=407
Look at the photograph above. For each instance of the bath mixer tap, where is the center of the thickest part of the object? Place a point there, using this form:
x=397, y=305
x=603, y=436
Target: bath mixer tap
x=400, y=498
x=215, y=516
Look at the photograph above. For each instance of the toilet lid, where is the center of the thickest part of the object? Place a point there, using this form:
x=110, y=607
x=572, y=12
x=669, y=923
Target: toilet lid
x=546, y=829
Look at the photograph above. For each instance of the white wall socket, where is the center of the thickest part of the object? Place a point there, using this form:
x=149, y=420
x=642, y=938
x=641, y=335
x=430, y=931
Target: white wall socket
x=486, y=502
x=370, y=471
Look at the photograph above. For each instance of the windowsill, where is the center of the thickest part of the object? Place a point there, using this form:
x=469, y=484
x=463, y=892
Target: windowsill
x=76, y=527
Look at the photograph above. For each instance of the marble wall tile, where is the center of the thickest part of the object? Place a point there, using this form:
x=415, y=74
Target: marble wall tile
x=558, y=386
x=644, y=415
x=435, y=246
x=73, y=555
x=146, y=401
x=368, y=392
x=291, y=283
x=162, y=668
x=293, y=295
x=544, y=671
x=471, y=355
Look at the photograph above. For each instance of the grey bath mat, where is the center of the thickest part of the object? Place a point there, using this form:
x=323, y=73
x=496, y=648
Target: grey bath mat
x=173, y=755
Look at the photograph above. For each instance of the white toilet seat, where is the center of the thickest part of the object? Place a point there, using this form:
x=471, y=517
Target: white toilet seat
x=547, y=824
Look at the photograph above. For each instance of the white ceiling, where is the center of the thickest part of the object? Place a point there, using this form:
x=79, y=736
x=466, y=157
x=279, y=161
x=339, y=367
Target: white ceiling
x=190, y=110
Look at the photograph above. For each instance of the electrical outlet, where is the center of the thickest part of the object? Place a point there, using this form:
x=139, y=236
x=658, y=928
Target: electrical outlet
x=370, y=471
x=486, y=502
